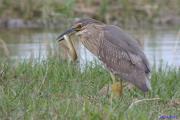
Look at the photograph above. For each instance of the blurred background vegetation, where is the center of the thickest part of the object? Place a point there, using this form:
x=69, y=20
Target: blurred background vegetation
x=133, y=12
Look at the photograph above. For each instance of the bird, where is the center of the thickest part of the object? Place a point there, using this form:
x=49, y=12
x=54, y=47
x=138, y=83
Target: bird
x=120, y=53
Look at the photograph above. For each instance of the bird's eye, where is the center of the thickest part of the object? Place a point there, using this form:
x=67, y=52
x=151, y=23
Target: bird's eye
x=79, y=26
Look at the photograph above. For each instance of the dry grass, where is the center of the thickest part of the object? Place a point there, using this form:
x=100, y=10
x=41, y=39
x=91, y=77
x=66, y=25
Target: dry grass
x=4, y=47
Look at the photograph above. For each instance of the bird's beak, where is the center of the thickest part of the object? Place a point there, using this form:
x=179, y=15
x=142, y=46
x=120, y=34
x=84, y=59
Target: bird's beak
x=67, y=32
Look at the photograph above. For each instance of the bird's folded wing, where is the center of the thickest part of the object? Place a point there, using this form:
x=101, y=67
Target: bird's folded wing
x=126, y=45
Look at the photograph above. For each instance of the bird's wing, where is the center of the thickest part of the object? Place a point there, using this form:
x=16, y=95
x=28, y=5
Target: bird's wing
x=123, y=57
x=122, y=40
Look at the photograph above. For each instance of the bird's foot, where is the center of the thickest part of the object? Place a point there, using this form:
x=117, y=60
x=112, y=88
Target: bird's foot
x=105, y=91
x=129, y=86
x=117, y=89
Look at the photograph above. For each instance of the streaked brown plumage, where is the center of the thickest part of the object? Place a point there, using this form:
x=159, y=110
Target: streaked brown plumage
x=120, y=53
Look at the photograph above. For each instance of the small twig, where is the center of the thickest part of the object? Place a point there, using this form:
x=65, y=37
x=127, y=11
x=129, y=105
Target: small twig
x=138, y=101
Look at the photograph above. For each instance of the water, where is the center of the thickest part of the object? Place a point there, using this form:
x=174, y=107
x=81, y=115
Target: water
x=159, y=45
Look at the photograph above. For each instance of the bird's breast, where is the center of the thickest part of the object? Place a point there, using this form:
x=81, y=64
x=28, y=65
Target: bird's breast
x=91, y=40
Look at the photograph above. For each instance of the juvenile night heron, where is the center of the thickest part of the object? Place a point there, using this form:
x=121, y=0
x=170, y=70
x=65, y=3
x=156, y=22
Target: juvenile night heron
x=121, y=54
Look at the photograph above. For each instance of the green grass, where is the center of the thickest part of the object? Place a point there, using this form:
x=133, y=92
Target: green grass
x=55, y=89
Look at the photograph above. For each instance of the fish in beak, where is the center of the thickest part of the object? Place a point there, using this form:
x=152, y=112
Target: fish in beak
x=65, y=36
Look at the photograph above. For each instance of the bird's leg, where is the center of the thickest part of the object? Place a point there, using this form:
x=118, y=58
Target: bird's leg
x=116, y=87
x=115, y=90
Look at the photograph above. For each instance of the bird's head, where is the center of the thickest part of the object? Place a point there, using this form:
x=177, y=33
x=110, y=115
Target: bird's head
x=77, y=27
